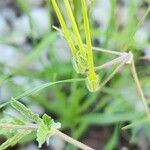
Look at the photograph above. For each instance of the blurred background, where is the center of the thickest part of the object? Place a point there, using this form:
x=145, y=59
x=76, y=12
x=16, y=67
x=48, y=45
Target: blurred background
x=32, y=52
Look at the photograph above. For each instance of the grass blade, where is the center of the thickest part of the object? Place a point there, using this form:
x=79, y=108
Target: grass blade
x=105, y=119
x=43, y=86
x=113, y=140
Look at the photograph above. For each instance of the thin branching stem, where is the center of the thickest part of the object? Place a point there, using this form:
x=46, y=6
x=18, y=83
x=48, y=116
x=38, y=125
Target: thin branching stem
x=140, y=91
x=72, y=141
x=112, y=75
x=93, y=48
x=56, y=133
x=23, y=127
x=107, y=51
x=113, y=62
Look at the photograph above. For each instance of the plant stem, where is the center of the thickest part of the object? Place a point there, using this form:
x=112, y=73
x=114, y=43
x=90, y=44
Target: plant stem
x=138, y=85
x=24, y=127
x=112, y=62
x=126, y=59
x=111, y=75
x=107, y=51
x=94, y=48
x=145, y=58
x=72, y=141
x=56, y=132
x=92, y=75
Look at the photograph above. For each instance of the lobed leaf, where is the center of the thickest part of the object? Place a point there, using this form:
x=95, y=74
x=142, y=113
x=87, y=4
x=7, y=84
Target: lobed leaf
x=25, y=111
x=43, y=134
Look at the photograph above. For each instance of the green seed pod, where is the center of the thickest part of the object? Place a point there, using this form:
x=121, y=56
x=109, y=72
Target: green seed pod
x=93, y=85
x=80, y=63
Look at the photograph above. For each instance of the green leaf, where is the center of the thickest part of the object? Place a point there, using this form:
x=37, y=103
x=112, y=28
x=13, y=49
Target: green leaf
x=43, y=133
x=24, y=6
x=25, y=111
x=35, y=53
x=47, y=120
x=45, y=129
x=14, y=120
x=13, y=140
x=3, y=105
x=43, y=86
x=106, y=118
x=136, y=123
x=113, y=140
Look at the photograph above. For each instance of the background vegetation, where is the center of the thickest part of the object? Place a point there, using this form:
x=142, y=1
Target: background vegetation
x=32, y=53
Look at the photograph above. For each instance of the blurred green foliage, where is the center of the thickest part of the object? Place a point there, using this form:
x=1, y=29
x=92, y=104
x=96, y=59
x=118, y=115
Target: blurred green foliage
x=71, y=103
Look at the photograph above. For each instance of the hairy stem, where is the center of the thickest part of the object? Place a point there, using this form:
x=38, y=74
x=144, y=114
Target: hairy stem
x=72, y=141
x=107, y=51
x=138, y=86
x=56, y=133
x=111, y=75
x=113, y=62
x=23, y=127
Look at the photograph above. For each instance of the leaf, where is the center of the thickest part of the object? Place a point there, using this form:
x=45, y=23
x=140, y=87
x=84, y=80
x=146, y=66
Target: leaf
x=13, y=140
x=6, y=132
x=47, y=120
x=35, y=53
x=43, y=86
x=25, y=111
x=23, y=5
x=43, y=133
x=15, y=120
x=113, y=140
x=103, y=119
x=3, y=105
x=45, y=129
x=80, y=131
x=136, y=123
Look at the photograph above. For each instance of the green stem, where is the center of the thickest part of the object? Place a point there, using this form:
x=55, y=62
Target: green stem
x=74, y=27
x=140, y=91
x=56, y=133
x=92, y=75
x=111, y=75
